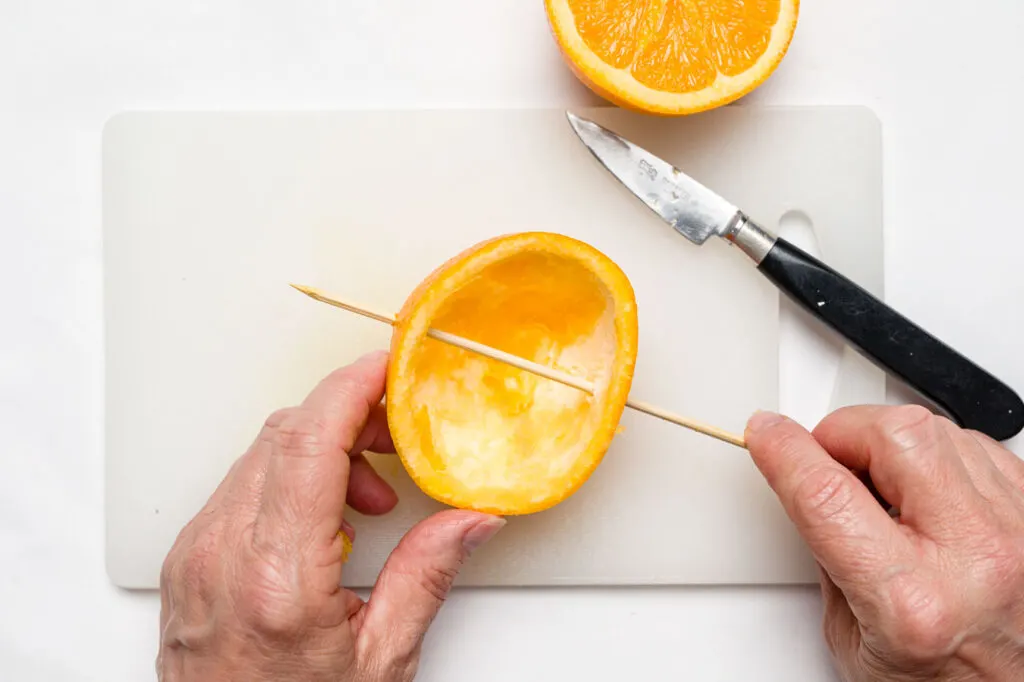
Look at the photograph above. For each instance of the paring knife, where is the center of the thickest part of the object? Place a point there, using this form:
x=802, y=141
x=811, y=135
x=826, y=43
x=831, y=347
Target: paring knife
x=971, y=396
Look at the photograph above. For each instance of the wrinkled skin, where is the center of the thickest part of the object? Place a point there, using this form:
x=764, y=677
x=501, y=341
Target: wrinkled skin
x=250, y=590
x=936, y=593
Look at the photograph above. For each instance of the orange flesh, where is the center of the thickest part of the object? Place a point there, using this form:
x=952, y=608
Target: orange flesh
x=492, y=431
x=677, y=45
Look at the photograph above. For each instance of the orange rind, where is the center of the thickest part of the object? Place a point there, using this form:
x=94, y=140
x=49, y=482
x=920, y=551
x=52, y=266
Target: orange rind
x=673, y=57
x=475, y=433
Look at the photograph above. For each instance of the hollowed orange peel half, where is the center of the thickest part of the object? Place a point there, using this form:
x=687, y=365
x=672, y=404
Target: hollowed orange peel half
x=476, y=433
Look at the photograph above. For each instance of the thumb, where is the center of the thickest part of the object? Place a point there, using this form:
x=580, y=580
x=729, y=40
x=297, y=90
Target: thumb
x=416, y=579
x=851, y=536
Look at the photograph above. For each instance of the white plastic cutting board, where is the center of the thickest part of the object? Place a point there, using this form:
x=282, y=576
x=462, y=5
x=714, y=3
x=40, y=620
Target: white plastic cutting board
x=208, y=216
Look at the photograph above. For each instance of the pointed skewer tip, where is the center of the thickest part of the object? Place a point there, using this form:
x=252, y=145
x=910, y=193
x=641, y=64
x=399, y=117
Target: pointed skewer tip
x=308, y=291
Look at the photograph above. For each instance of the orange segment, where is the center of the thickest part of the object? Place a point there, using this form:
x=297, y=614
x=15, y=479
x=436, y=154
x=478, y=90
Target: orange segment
x=478, y=434
x=673, y=56
x=613, y=28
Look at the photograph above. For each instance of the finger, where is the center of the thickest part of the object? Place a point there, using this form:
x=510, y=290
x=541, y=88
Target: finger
x=1007, y=462
x=851, y=536
x=375, y=436
x=415, y=582
x=308, y=467
x=249, y=471
x=910, y=457
x=348, y=397
x=368, y=493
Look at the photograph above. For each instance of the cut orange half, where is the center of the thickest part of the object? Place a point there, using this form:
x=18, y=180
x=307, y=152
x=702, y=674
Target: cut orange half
x=476, y=433
x=673, y=57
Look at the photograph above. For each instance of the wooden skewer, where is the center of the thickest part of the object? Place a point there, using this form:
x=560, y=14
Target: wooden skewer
x=530, y=366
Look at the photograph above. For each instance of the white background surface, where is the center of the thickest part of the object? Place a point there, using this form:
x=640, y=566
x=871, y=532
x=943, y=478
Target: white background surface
x=941, y=77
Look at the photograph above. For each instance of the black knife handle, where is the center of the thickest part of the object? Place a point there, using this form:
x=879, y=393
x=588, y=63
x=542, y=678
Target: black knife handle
x=973, y=398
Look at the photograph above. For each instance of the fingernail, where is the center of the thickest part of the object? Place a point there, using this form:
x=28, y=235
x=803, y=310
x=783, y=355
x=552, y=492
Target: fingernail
x=763, y=420
x=481, y=533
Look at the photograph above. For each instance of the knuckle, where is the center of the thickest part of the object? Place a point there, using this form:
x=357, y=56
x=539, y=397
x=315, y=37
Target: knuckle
x=278, y=416
x=192, y=562
x=824, y=495
x=437, y=581
x=274, y=619
x=907, y=428
x=297, y=433
x=925, y=623
x=946, y=424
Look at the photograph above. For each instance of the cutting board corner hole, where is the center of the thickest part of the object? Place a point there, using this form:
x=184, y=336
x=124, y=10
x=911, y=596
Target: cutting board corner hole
x=796, y=226
x=809, y=357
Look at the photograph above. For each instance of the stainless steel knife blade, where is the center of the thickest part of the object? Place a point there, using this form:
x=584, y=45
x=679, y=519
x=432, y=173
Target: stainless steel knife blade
x=692, y=209
x=688, y=206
